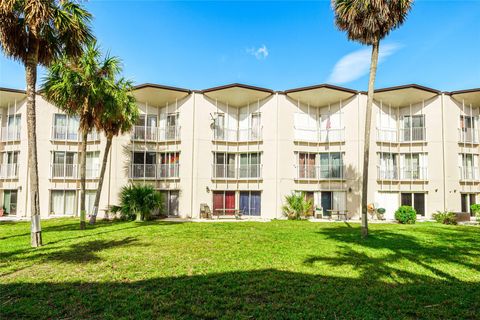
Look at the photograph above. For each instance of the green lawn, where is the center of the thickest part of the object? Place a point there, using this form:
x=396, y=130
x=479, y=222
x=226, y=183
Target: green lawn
x=244, y=270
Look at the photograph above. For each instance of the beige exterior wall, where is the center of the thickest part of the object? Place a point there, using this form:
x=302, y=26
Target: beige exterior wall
x=281, y=145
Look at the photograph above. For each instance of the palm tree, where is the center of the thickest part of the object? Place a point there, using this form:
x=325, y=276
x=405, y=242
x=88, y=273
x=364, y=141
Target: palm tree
x=118, y=117
x=80, y=87
x=368, y=22
x=297, y=206
x=36, y=33
x=138, y=201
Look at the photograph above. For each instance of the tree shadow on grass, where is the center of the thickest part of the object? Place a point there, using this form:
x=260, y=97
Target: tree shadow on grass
x=259, y=294
x=383, y=252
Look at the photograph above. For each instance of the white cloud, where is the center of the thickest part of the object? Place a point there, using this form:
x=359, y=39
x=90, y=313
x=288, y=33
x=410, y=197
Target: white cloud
x=259, y=53
x=356, y=64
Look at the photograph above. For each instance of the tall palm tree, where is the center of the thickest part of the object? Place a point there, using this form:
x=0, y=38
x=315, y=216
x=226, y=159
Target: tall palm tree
x=36, y=33
x=118, y=117
x=79, y=87
x=368, y=22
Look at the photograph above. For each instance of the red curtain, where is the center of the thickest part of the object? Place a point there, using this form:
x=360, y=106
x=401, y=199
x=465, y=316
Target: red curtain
x=217, y=200
x=230, y=202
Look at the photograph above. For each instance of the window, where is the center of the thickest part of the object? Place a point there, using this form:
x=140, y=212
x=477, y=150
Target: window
x=468, y=129
x=250, y=166
x=10, y=201
x=249, y=125
x=250, y=203
x=467, y=199
x=144, y=164
x=224, y=165
x=90, y=200
x=170, y=200
x=93, y=164
x=64, y=164
x=413, y=128
x=65, y=127
x=146, y=128
x=306, y=126
x=306, y=166
x=9, y=167
x=169, y=165
x=386, y=126
x=62, y=202
x=331, y=165
x=468, y=166
x=219, y=124
x=224, y=202
x=414, y=200
x=413, y=166
x=387, y=166
x=171, y=127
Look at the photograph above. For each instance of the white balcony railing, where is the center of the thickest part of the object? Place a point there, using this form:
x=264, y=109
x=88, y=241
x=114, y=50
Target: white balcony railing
x=468, y=136
x=416, y=173
x=156, y=134
x=401, y=135
x=9, y=171
x=72, y=171
x=412, y=134
x=469, y=173
x=11, y=133
x=319, y=172
x=227, y=171
x=387, y=135
x=387, y=173
x=240, y=135
x=319, y=135
x=64, y=133
x=64, y=171
x=154, y=171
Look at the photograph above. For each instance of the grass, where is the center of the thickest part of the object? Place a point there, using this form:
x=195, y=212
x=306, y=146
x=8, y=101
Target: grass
x=247, y=270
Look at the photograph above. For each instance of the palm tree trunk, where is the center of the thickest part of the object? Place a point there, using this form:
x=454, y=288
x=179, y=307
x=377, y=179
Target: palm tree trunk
x=31, y=79
x=93, y=218
x=366, y=146
x=83, y=171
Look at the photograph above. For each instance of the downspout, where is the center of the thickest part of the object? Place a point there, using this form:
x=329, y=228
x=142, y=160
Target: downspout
x=276, y=161
x=443, y=156
x=193, y=156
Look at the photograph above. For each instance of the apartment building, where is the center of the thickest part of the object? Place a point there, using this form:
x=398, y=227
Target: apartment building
x=240, y=148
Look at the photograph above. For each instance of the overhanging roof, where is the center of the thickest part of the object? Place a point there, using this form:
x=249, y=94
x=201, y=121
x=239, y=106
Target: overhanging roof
x=320, y=95
x=158, y=95
x=237, y=94
x=405, y=95
x=469, y=97
x=9, y=96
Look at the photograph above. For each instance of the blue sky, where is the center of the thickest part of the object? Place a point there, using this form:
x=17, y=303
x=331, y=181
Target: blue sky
x=279, y=45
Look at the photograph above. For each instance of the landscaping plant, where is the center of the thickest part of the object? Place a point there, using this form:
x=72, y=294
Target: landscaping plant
x=406, y=215
x=138, y=202
x=445, y=217
x=297, y=206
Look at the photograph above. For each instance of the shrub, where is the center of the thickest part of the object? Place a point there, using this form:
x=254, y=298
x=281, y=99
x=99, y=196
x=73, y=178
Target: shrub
x=406, y=215
x=445, y=217
x=297, y=206
x=476, y=210
x=138, y=202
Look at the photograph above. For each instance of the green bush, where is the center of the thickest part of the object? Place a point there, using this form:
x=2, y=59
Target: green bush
x=406, y=215
x=476, y=210
x=445, y=217
x=138, y=202
x=297, y=206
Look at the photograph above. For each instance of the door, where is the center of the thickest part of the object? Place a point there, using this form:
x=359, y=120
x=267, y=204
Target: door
x=151, y=128
x=173, y=203
x=10, y=202
x=229, y=202
x=472, y=197
x=220, y=126
x=309, y=196
x=60, y=126
x=464, y=202
x=419, y=203
x=89, y=200
x=327, y=202
x=172, y=126
x=218, y=201
x=406, y=199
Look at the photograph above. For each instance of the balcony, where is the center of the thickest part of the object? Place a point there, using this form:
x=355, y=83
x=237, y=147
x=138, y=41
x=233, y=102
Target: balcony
x=156, y=134
x=227, y=171
x=9, y=171
x=404, y=173
x=154, y=171
x=389, y=173
x=11, y=134
x=64, y=133
x=469, y=173
x=64, y=171
x=468, y=136
x=240, y=135
x=319, y=136
x=415, y=134
x=319, y=172
x=72, y=171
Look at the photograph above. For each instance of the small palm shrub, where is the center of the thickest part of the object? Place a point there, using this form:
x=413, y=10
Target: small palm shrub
x=138, y=202
x=445, y=217
x=406, y=215
x=297, y=206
